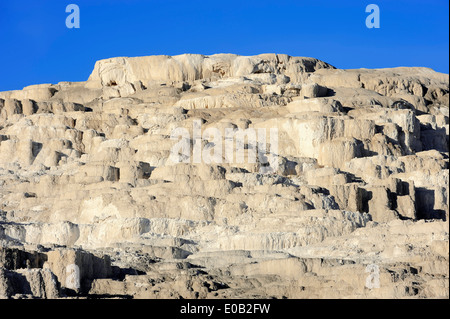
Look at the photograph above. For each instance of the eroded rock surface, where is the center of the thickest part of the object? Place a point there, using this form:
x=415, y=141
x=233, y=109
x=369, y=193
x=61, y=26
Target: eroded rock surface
x=354, y=205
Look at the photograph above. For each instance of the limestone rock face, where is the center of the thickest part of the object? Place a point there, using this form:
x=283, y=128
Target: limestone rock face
x=226, y=176
x=28, y=283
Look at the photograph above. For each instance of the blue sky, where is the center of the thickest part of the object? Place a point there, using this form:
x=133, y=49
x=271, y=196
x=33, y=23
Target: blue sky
x=36, y=47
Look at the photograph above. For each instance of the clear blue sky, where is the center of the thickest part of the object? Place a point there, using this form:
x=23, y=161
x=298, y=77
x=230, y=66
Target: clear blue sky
x=36, y=47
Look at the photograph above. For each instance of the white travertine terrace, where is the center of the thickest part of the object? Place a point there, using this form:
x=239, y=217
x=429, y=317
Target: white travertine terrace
x=362, y=179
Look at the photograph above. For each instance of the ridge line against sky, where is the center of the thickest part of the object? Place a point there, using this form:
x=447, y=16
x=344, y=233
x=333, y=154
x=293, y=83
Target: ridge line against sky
x=39, y=48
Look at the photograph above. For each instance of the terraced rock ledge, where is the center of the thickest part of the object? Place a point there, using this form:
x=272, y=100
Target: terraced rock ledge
x=93, y=204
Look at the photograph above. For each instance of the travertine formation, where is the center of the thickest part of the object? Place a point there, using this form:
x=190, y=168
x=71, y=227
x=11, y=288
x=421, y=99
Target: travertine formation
x=93, y=205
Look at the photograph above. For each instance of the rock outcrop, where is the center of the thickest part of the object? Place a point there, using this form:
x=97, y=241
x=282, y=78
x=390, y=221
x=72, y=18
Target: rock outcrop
x=226, y=176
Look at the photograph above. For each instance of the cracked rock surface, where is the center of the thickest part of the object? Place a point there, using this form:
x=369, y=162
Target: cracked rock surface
x=93, y=205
